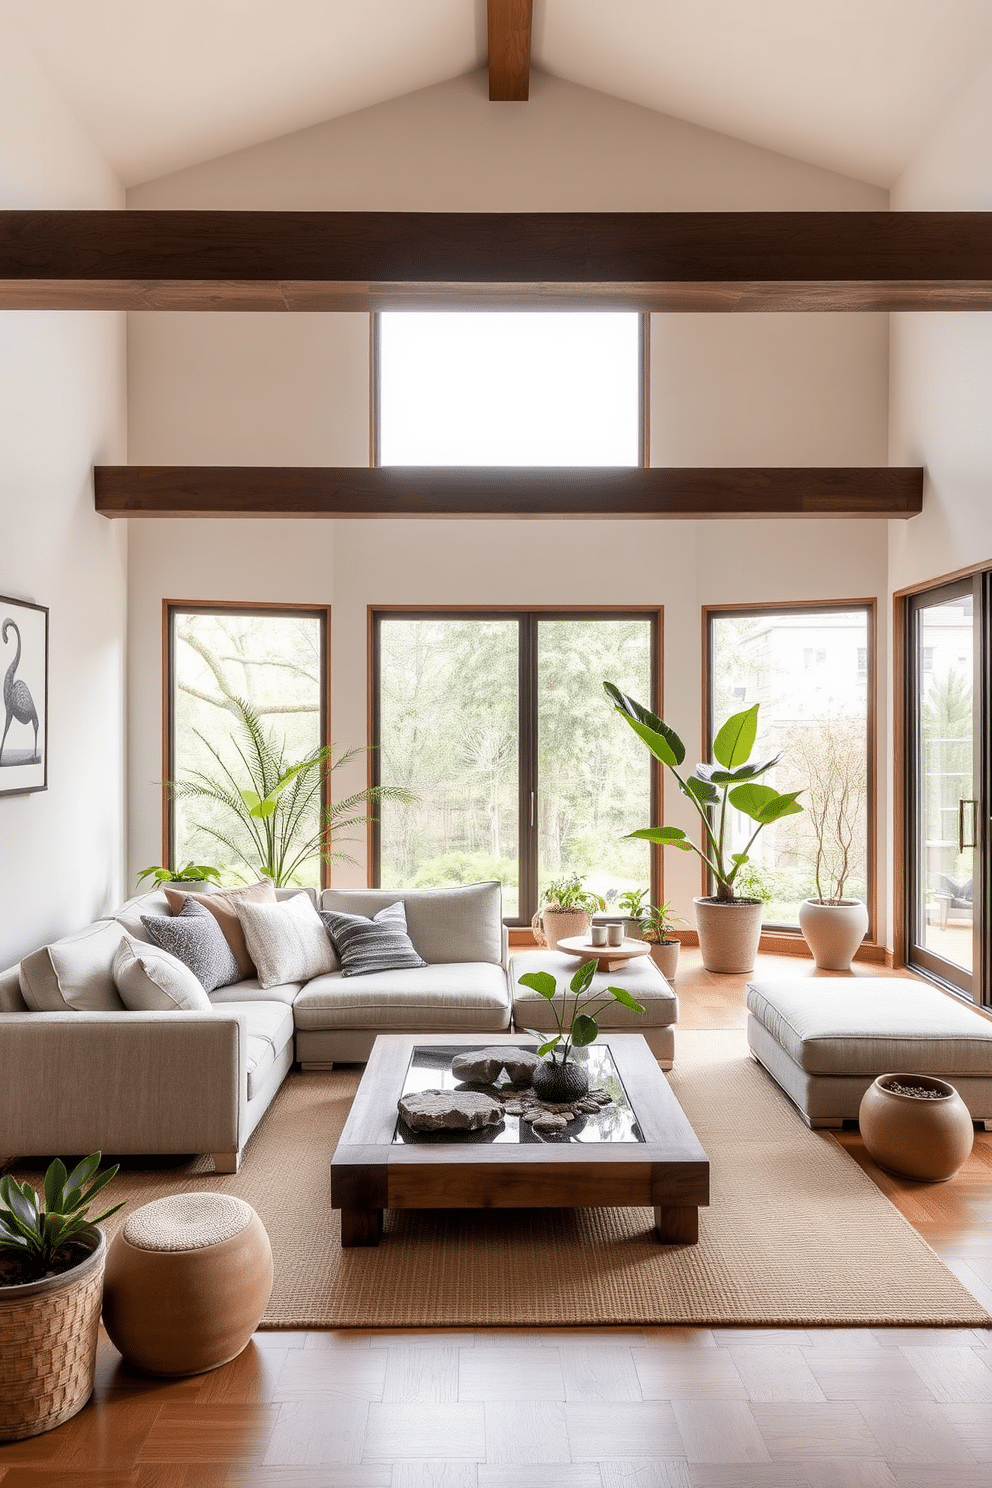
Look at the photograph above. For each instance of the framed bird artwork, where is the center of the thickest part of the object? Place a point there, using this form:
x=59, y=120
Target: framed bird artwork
x=24, y=714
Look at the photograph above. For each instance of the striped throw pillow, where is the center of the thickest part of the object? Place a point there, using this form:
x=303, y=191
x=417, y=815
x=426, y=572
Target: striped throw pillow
x=365, y=945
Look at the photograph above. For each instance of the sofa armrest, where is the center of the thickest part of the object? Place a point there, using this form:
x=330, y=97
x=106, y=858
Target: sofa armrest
x=122, y=1082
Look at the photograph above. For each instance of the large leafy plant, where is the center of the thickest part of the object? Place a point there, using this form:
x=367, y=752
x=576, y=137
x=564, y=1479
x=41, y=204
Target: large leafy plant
x=576, y=1022
x=35, y=1236
x=731, y=781
x=276, y=816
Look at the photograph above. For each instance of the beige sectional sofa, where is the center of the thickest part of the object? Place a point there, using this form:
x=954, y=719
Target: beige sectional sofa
x=90, y=1073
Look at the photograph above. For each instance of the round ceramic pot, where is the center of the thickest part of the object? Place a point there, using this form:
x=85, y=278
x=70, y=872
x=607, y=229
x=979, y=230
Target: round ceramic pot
x=665, y=955
x=833, y=931
x=923, y=1137
x=560, y=1083
x=559, y=924
x=48, y=1334
x=729, y=931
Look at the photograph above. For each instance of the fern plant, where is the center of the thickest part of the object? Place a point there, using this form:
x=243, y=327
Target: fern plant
x=277, y=819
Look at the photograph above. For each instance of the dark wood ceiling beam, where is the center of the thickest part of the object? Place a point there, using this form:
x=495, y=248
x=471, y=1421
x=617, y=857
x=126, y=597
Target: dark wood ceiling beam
x=509, y=26
x=720, y=261
x=655, y=492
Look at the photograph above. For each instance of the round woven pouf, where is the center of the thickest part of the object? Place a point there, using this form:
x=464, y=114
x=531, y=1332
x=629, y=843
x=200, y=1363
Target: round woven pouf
x=186, y=1282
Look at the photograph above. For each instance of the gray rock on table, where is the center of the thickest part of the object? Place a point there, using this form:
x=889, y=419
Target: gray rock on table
x=484, y=1066
x=448, y=1110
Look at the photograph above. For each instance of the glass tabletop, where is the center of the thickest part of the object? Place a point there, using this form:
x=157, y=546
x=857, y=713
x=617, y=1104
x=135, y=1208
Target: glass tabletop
x=430, y=1069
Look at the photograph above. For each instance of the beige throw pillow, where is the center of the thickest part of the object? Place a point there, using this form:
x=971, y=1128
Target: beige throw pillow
x=287, y=941
x=222, y=904
x=74, y=974
x=151, y=980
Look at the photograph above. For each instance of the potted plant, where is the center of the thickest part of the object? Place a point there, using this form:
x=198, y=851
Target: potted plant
x=51, y=1288
x=657, y=924
x=567, y=909
x=833, y=762
x=631, y=901
x=192, y=873
x=729, y=927
x=558, y=1079
x=276, y=819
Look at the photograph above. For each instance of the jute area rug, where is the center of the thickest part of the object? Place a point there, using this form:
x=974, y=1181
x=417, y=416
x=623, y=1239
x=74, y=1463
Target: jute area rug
x=796, y=1233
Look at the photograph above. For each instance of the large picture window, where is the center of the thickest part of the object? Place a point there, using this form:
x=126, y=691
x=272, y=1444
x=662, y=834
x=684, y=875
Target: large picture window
x=274, y=660
x=811, y=669
x=509, y=388
x=500, y=725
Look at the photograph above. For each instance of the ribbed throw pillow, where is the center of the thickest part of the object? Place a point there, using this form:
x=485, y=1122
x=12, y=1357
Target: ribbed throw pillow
x=152, y=980
x=286, y=940
x=199, y=942
x=365, y=945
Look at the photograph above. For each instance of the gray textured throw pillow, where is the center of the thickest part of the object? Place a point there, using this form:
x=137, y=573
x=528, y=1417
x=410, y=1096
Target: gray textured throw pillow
x=196, y=938
x=365, y=945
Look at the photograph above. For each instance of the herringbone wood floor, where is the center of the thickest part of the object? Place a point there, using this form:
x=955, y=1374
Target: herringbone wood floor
x=609, y=1408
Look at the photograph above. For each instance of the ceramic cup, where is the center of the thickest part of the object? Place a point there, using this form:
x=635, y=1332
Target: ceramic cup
x=614, y=935
x=597, y=935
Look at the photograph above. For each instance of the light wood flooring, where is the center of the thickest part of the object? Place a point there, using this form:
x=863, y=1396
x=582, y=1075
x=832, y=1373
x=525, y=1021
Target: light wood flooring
x=603, y=1408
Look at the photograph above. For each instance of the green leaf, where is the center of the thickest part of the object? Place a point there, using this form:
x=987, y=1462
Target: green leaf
x=82, y=1172
x=700, y=791
x=22, y=1201
x=585, y=1030
x=667, y=836
x=719, y=776
x=764, y=805
x=552, y=1043
x=541, y=982
x=55, y=1185
x=663, y=742
x=733, y=744
x=622, y=995
x=583, y=977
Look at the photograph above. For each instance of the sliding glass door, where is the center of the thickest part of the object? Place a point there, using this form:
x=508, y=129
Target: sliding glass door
x=947, y=654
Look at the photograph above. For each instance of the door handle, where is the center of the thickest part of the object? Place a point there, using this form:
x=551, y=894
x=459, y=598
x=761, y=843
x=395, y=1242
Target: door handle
x=962, y=843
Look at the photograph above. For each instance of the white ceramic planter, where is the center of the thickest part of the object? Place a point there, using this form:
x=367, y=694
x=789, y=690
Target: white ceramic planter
x=833, y=931
x=559, y=924
x=729, y=931
x=665, y=955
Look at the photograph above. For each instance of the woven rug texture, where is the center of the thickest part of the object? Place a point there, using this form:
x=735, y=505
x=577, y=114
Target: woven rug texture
x=796, y=1234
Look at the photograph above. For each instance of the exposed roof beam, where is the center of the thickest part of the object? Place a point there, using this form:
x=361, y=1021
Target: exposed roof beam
x=509, y=50
x=721, y=261
x=402, y=491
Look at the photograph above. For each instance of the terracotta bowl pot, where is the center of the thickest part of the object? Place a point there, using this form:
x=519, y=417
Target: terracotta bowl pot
x=925, y=1137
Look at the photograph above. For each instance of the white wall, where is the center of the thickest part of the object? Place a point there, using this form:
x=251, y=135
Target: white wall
x=746, y=389
x=61, y=410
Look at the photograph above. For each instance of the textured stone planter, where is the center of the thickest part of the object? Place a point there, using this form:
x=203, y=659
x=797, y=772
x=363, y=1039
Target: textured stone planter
x=560, y=1083
x=729, y=931
x=833, y=931
x=916, y=1137
x=665, y=955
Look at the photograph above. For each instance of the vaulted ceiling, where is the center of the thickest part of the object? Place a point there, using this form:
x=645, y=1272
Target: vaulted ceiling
x=853, y=85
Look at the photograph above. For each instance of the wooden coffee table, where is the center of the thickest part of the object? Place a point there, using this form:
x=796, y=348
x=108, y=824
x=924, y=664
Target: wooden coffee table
x=371, y=1171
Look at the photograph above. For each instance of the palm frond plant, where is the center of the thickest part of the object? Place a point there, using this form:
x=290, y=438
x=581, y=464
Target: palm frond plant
x=276, y=816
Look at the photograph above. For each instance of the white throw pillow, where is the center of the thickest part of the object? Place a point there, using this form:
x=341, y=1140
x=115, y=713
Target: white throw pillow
x=151, y=980
x=286, y=940
x=74, y=974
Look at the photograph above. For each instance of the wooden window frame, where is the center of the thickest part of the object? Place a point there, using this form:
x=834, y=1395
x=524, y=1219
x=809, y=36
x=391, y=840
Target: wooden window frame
x=780, y=937
x=643, y=400
x=530, y=615
x=173, y=607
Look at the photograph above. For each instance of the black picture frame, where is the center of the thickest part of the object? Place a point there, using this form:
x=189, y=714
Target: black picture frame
x=24, y=698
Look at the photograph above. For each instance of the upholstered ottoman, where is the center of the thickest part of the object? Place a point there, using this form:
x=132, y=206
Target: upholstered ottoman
x=641, y=978
x=825, y=1040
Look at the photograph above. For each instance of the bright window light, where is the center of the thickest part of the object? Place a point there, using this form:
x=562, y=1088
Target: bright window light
x=494, y=388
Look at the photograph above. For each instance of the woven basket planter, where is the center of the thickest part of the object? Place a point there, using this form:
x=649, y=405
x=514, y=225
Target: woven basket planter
x=48, y=1333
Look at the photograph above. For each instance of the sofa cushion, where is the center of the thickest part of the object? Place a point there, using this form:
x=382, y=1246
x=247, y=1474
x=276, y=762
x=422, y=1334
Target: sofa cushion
x=640, y=977
x=286, y=940
x=75, y=974
x=872, y=1026
x=222, y=904
x=251, y=990
x=453, y=996
x=151, y=980
x=366, y=946
x=269, y=1028
x=195, y=937
x=456, y=924
x=153, y=902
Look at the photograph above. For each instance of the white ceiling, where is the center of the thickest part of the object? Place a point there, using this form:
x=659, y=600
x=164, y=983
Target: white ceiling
x=854, y=85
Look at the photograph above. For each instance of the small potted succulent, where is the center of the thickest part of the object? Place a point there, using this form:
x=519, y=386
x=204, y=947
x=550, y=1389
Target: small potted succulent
x=567, y=909
x=658, y=922
x=558, y=1078
x=51, y=1290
